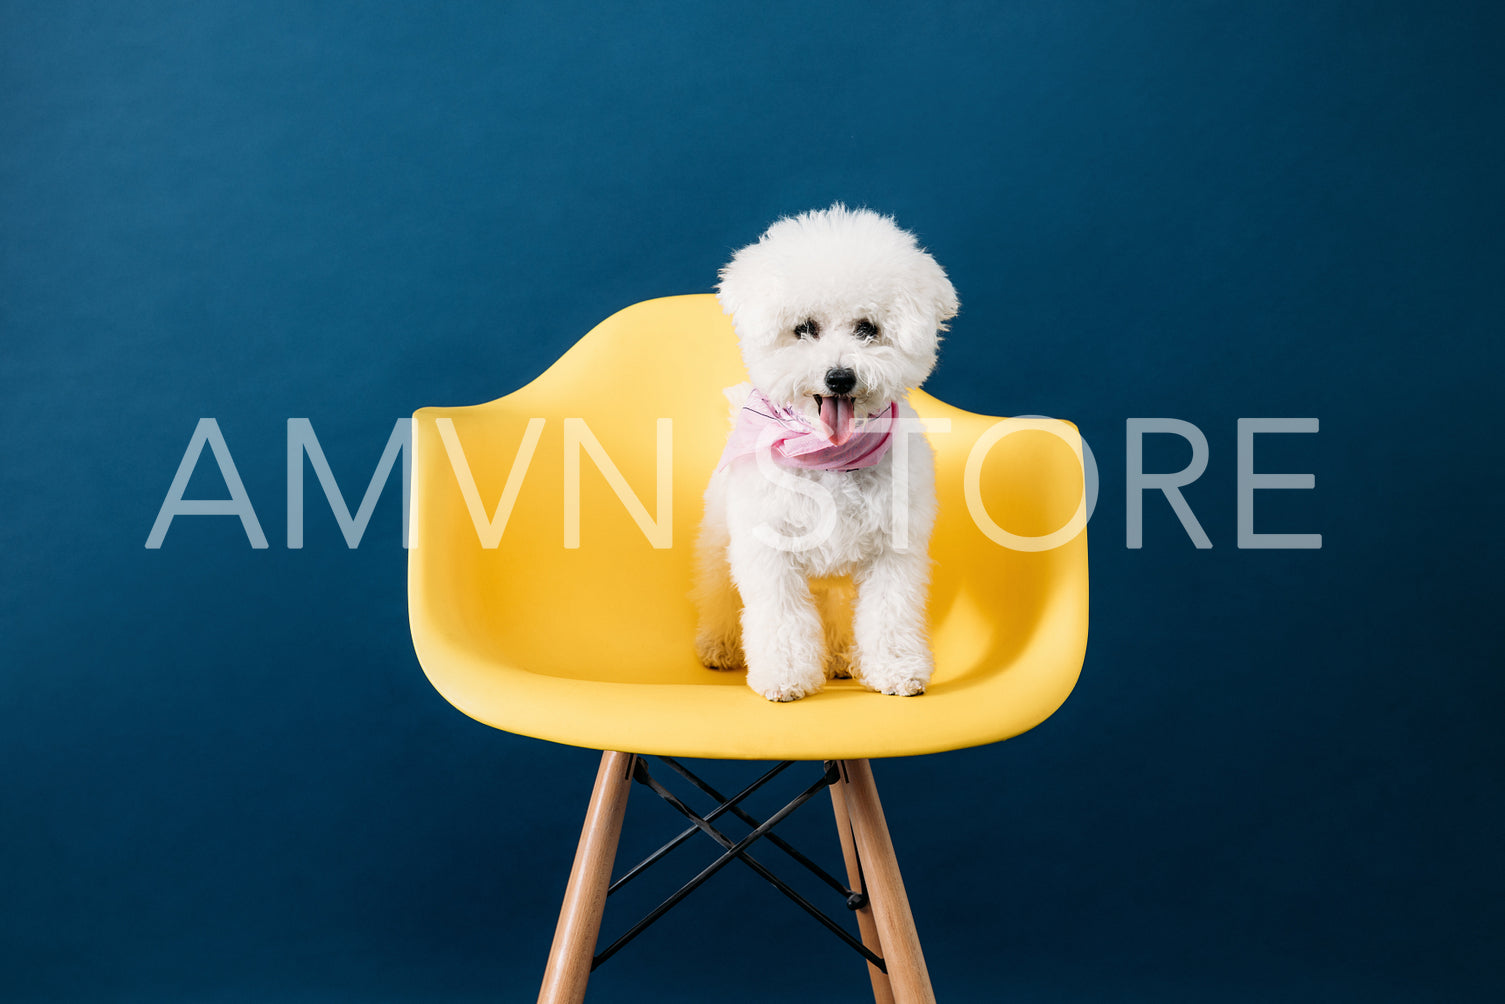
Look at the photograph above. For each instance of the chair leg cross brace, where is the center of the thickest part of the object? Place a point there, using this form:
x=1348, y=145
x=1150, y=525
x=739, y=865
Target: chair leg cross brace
x=855, y=900
x=889, y=943
x=737, y=850
x=725, y=806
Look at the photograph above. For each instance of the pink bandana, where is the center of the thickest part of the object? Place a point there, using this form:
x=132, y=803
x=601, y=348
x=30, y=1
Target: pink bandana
x=845, y=444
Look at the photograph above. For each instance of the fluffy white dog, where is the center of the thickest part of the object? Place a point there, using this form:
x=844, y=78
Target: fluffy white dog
x=838, y=313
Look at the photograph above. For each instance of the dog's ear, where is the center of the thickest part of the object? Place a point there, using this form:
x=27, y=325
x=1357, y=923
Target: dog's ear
x=925, y=302
x=749, y=286
x=937, y=294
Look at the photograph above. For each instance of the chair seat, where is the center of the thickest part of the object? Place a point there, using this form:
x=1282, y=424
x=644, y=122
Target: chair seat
x=592, y=645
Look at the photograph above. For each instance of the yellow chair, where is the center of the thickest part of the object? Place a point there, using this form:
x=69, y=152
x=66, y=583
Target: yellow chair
x=548, y=580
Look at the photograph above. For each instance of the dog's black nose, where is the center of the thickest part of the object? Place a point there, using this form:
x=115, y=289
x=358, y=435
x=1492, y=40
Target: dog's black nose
x=840, y=381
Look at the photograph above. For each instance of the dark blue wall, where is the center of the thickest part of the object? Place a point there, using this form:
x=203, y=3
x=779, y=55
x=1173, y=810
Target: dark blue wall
x=223, y=776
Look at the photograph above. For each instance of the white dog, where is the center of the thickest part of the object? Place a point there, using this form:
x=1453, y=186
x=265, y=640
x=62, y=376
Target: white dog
x=838, y=313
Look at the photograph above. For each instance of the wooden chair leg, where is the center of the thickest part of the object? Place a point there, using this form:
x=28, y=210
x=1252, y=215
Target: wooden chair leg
x=882, y=992
x=585, y=897
x=901, y=944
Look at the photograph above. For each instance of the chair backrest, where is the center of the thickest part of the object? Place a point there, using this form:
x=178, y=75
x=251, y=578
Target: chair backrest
x=611, y=605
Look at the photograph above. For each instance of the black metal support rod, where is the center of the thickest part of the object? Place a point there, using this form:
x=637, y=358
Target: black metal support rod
x=750, y=820
x=712, y=868
x=765, y=873
x=728, y=804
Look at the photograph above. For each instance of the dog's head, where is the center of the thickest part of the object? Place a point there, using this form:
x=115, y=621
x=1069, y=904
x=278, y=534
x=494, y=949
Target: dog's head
x=838, y=312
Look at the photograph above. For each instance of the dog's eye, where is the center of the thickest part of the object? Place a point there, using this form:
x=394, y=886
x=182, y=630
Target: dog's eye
x=808, y=328
x=865, y=330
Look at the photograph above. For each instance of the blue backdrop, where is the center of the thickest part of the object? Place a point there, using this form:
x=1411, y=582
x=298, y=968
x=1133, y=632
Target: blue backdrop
x=225, y=777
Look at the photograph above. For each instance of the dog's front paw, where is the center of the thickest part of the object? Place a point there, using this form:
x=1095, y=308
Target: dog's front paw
x=906, y=687
x=903, y=678
x=719, y=652
x=786, y=685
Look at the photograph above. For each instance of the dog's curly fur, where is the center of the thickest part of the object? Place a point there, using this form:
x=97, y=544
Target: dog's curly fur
x=767, y=536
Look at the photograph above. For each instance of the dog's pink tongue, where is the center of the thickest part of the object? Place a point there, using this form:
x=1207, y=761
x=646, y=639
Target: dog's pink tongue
x=837, y=415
